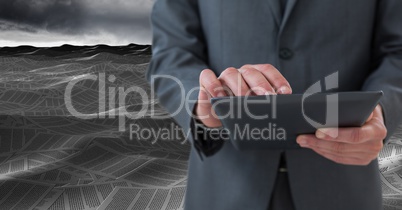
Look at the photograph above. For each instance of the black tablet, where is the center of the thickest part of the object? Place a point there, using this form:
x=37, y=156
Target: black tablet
x=274, y=121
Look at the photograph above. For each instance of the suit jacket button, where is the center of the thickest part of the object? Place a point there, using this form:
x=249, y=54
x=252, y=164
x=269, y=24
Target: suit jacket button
x=285, y=53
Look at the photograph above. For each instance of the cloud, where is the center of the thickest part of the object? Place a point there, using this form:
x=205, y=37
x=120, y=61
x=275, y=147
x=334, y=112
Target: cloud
x=53, y=15
x=123, y=21
x=16, y=35
x=8, y=26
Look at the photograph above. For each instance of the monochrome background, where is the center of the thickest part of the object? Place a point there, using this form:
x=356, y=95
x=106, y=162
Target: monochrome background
x=52, y=160
x=78, y=22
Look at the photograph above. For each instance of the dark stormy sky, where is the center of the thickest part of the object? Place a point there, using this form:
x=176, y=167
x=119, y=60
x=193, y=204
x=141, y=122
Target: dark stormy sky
x=78, y=22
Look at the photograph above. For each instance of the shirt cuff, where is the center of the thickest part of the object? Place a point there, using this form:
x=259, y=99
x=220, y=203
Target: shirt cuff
x=207, y=141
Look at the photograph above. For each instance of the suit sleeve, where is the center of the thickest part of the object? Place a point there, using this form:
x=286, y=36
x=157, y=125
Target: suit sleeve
x=388, y=62
x=178, y=57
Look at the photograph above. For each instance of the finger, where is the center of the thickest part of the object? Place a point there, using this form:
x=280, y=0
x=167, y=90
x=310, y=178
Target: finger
x=275, y=78
x=354, y=135
x=343, y=159
x=203, y=105
x=373, y=129
x=378, y=113
x=370, y=117
x=256, y=81
x=310, y=141
x=366, y=151
x=232, y=78
x=211, y=84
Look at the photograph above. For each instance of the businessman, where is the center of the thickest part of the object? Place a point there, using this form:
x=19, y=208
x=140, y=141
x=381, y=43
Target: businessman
x=260, y=47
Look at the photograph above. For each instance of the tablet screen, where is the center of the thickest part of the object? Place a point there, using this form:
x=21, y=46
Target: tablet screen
x=274, y=121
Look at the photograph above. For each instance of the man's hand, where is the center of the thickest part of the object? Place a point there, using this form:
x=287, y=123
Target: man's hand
x=351, y=146
x=248, y=80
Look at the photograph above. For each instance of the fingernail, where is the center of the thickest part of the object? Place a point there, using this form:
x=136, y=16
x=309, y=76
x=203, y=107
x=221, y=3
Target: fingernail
x=327, y=133
x=302, y=141
x=220, y=94
x=284, y=90
x=270, y=93
x=320, y=134
x=258, y=91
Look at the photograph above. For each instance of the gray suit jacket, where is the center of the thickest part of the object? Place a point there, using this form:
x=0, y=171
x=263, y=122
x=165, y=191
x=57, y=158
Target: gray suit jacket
x=362, y=39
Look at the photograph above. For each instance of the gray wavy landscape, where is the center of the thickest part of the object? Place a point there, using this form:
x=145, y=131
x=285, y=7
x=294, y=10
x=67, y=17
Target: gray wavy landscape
x=51, y=158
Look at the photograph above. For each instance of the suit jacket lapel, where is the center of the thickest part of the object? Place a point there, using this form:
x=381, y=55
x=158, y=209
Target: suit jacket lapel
x=288, y=11
x=275, y=7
